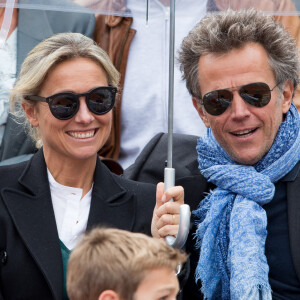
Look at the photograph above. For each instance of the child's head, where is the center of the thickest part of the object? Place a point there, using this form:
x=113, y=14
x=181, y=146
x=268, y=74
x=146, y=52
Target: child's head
x=119, y=265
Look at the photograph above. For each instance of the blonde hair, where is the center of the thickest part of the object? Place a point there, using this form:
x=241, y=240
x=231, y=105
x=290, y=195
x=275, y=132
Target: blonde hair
x=43, y=58
x=118, y=260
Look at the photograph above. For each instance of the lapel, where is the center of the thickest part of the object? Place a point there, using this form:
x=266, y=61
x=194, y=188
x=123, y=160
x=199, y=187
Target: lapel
x=32, y=213
x=293, y=203
x=111, y=204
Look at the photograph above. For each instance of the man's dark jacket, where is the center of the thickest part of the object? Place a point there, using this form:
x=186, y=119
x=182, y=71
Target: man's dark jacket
x=149, y=167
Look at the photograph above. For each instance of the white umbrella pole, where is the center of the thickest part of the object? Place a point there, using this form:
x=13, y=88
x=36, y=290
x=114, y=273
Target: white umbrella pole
x=169, y=174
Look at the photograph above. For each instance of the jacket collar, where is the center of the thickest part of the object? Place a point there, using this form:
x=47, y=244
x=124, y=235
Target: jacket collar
x=106, y=206
x=34, y=174
x=31, y=210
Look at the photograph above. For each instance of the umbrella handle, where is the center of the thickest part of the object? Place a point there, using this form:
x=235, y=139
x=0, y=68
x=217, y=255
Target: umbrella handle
x=184, y=214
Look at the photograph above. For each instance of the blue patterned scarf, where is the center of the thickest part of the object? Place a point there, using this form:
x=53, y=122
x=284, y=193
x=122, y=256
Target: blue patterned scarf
x=232, y=223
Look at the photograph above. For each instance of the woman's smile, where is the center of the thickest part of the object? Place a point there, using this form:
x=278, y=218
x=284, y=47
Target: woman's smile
x=82, y=134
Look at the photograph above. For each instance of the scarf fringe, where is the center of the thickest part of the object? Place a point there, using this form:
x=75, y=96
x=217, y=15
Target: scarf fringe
x=255, y=292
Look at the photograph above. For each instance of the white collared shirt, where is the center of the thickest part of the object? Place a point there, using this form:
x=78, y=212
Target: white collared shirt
x=70, y=210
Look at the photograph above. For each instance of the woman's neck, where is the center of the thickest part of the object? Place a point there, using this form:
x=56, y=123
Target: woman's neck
x=72, y=172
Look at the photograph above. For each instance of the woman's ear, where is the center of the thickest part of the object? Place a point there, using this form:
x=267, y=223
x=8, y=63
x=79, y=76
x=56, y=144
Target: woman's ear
x=31, y=113
x=201, y=112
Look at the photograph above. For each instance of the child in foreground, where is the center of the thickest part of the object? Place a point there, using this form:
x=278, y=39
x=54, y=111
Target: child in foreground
x=113, y=264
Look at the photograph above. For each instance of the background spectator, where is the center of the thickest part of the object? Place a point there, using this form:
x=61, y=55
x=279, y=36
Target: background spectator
x=142, y=52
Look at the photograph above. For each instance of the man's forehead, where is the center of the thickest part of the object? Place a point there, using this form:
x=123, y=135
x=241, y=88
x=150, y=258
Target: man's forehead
x=234, y=68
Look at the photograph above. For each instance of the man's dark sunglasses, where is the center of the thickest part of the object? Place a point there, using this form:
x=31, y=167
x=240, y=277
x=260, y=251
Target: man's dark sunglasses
x=257, y=94
x=64, y=106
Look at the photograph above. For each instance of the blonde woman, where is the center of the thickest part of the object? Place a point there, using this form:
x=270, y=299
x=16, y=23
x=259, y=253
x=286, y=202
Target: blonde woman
x=66, y=91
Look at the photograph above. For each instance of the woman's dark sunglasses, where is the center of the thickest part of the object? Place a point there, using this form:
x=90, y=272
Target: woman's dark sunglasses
x=64, y=106
x=257, y=94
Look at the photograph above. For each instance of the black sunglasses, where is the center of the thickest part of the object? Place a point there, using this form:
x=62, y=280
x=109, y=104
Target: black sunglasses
x=257, y=94
x=64, y=106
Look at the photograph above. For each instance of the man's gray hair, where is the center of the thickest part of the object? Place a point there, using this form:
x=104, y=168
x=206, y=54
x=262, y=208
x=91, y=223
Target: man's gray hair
x=224, y=31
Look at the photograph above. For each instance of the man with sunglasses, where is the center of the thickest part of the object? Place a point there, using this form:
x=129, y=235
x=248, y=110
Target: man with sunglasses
x=241, y=68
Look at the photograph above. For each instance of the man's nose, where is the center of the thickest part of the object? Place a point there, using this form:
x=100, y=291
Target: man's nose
x=239, y=107
x=84, y=115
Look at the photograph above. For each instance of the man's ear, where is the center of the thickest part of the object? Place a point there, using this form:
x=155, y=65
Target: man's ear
x=287, y=96
x=109, y=295
x=31, y=113
x=201, y=112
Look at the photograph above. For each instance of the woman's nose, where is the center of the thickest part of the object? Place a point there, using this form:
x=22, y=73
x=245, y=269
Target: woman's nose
x=84, y=115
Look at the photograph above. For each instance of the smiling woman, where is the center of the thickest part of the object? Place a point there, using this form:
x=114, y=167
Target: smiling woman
x=66, y=92
x=80, y=136
x=66, y=63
